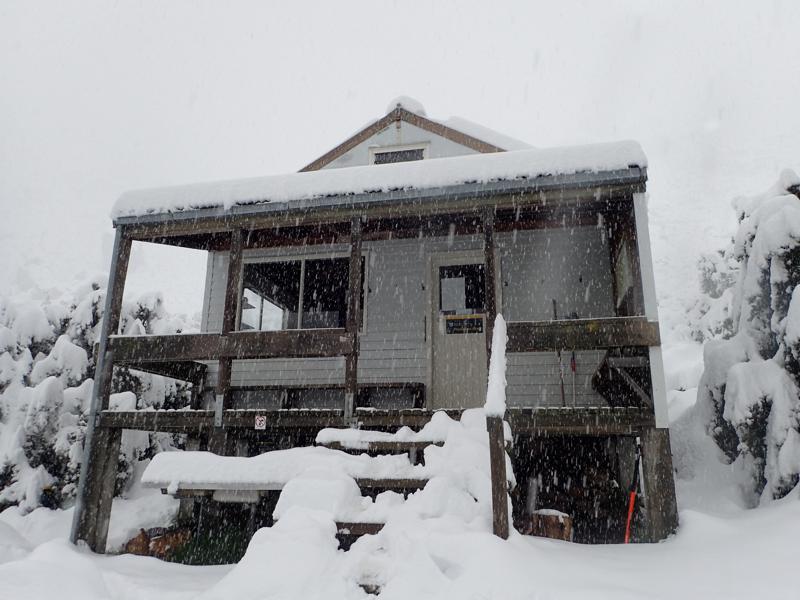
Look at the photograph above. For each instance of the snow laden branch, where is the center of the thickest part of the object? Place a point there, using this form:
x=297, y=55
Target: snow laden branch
x=496, y=391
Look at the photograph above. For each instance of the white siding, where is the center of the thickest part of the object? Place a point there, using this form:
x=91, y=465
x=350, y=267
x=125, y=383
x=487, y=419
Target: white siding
x=394, y=346
x=570, y=265
x=533, y=379
x=406, y=134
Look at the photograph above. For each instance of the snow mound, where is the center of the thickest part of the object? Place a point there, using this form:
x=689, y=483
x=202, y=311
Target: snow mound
x=12, y=545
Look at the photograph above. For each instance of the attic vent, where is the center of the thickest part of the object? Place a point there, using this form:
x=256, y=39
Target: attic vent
x=395, y=155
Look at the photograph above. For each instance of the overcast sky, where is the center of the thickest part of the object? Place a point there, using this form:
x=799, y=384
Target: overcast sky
x=100, y=97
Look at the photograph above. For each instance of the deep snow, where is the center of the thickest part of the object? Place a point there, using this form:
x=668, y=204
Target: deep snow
x=722, y=549
x=732, y=554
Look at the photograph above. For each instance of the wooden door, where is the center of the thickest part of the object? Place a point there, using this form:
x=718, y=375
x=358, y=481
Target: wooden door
x=458, y=303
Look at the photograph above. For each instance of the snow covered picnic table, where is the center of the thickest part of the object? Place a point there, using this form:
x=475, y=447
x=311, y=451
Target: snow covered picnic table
x=177, y=471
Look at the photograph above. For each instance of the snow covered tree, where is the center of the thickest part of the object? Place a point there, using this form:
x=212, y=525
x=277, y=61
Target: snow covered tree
x=749, y=390
x=46, y=378
x=711, y=317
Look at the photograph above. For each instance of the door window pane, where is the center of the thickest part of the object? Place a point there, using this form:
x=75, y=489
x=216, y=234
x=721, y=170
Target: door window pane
x=461, y=290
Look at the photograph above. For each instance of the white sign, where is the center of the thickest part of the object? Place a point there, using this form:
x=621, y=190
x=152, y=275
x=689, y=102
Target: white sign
x=261, y=422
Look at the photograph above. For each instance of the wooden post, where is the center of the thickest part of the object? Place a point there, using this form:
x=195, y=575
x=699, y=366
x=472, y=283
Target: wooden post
x=661, y=509
x=489, y=277
x=101, y=447
x=497, y=462
x=353, y=319
x=218, y=439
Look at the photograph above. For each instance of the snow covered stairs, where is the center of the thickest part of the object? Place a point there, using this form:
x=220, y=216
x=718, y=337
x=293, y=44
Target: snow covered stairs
x=375, y=444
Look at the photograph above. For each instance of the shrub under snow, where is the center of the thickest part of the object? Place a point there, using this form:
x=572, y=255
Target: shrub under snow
x=46, y=377
x=748, y=394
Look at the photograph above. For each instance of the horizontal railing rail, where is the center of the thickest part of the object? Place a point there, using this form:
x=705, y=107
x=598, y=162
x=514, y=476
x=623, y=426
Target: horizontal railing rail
x=300, y=343
x=581, y=334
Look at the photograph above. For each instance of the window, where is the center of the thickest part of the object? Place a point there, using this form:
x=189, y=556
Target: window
x=461, y=290
x=271, y=296
x=325, y=293
x=296, y=294
x=395, y=154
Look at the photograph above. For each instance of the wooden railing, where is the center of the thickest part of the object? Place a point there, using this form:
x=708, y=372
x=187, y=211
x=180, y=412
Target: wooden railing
x=582, y=334
x=298, y=343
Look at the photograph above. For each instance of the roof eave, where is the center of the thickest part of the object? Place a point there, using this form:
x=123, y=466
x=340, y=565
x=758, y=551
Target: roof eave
x=635, y=177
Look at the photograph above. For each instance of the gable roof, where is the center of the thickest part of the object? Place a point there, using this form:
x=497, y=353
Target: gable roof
x=455, y=129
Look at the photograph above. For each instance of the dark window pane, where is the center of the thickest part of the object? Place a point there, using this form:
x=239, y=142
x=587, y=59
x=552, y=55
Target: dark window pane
x=395, y=156
x=271, y=295
x=325, y=293
x=461, y=289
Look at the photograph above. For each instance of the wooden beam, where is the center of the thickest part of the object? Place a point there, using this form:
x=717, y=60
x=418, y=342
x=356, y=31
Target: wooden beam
x=358, y=529
x=627, y=362
x=162, y=231
x=230, y=313
x=395, y=116
x=234, y=282
x=590, y=421
x=523, y=421
x=637, y=389
x=382, y=447
x=390, y=484
x=91, y=516
x=489, y=277
x=497, y=464
x=189, y=371
x=354, y=292
x=92, y=520
x=293, y=343
x=582, y=334
x=661, y=507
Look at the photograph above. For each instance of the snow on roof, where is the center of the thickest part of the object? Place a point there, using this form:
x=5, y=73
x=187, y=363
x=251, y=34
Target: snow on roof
x=416, y=175
x=480, y=132
x=490, y=136
x=410, y=104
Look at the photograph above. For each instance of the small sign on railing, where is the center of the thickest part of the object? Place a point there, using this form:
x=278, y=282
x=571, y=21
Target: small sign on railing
x=261, y=422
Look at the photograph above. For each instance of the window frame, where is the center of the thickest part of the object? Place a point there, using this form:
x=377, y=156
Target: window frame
x=302, y=258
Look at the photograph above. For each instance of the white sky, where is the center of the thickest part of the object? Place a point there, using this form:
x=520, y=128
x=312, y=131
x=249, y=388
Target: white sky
x=100, y=97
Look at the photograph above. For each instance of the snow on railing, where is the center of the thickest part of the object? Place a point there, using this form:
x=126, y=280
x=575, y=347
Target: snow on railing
x=495, y=408
x=495, y=405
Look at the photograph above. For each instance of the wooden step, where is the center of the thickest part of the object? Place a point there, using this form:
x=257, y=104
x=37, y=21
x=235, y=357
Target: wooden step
x=382, y=447
x=391, y=484
x=357, y=529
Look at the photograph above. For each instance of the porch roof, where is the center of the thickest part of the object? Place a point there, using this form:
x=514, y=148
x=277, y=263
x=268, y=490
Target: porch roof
x=463, y=176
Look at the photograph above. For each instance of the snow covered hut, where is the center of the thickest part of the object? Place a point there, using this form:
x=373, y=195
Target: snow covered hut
x=361, y=292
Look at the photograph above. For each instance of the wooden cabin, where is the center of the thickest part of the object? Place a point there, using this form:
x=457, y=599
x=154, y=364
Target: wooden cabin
x=361, y=292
